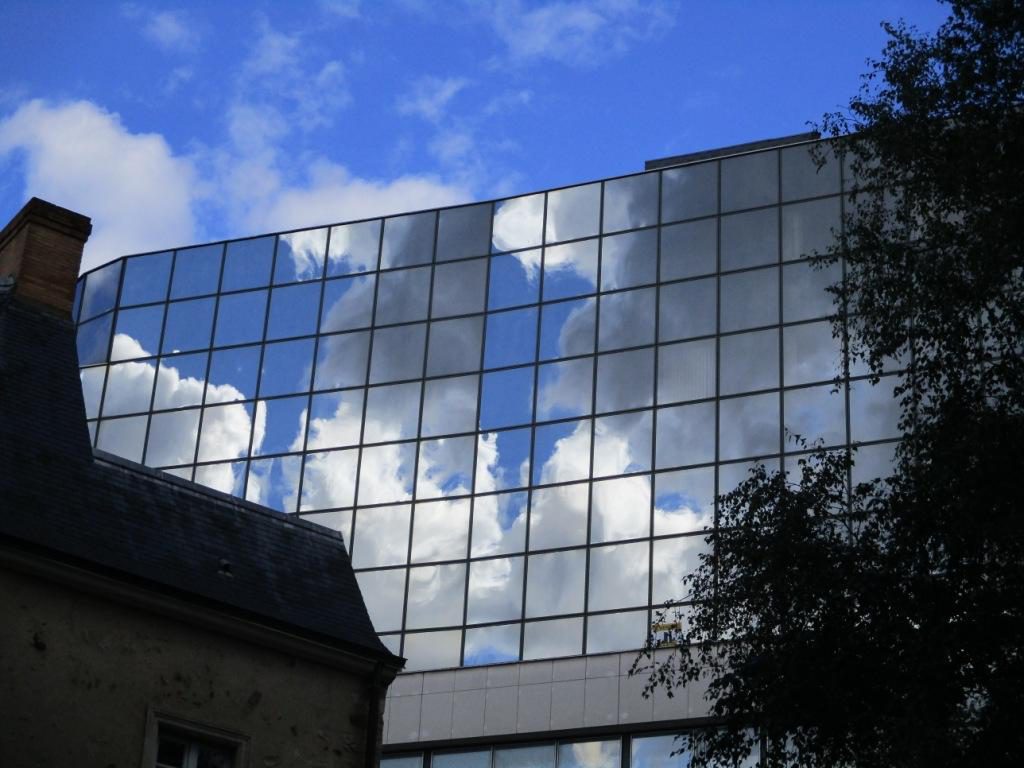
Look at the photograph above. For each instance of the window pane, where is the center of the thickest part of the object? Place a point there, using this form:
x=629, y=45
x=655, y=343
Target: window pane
x=616, y=632
x=435, y=596
x=403, y=295
x=232, y=374
x=100, y=293
x=809, y=228
x=558, y=516
x=515, y=279
x=247, y=264
x=689, y=192
x=146, y=278
x=353, y=248
x=548, y=639
x=674, y=559
x=629, y=259
x=137, y=333
x=92, y=389
x=446, y=467
x=240, y=318
x=287, y=367
x=631, y=202
x=750, y=299
x=293, y=311
x=573, y=213
x=381, y=536
x=561, y=452
x=511, y=338
x=449, y=405
x=748, y=426
x=622, y=509
x=874, y=409
x=123, y=437
x=804, y=294
x=284, y=425
x=463, y=232
x=196, y=271
x=495, y=590
x=625, y=380
x=408, y=240
x=490, y=645
x=225, y=432
x=507, y=398
x=525, y=757
x=686, y=435
x=622, y=443
x=172, y=438
x=392, y=412
x=398, y=353
x=188, y=325
x=518, y=223
x=386, y=473
x=226, y=478
x=801, y=176
x=329, y=480
x=815, y=413
x=93, y=339
x=627, y=319
x=129, y=388
x=750, y=239
x=567, y=329
x=750, y=180
x=454, y=346
x=554, y=583
x=348, y=303
x=564, y=389
x=459, y=288
x=810, y=353
x=499, y=524
x=440, y=531
x=590, y=754
x=274, y=483
x=657, y=752
x=432, y=650
x=687, y=309
x=335, y=419
x=503, y=460
x=686, y=371
x=300, y=256
x=689, y=249
x=618, y=576
x=684, y=500
x=750, y=361
x=570, y=270
x=384, y=593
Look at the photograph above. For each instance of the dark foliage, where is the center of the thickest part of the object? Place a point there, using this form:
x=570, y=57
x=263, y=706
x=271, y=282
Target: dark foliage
x=883, y=624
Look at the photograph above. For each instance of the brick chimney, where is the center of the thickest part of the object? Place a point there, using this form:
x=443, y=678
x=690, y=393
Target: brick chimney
x=40, y=253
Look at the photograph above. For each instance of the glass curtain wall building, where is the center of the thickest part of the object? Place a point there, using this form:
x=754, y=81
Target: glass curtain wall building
x=517, y=412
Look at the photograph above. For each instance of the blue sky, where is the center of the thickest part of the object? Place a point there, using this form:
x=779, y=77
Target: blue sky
x=176, y=123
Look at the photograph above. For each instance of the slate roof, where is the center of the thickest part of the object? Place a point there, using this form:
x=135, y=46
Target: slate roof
x=146, y=527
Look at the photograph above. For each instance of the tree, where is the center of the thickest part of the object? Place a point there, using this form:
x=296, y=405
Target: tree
x=883, y=624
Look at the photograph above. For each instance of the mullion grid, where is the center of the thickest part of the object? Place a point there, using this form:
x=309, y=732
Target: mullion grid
x=158, y=362
x=110, y=351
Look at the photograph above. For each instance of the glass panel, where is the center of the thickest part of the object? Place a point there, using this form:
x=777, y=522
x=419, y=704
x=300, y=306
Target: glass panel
x=809, y=228
x=686, y=435
x=123, y=437
x=750, y=361
x=491, y=645
x=631, y=202
x=626, y=319
x=810, y=354
x=340, y=521
x=573, y=213
x=329, y=480
x=686, y=371
x=750, y=180
x=507, y=398
x=93, y=340
x=463, y=232
x=618, y=576
x=381, y=536
x=232, y=374
x=558, y=516
x=137, y=333
x=449, y=406
x=591, y=754
x=300, y=256
x=657, y=752
x=622, y=443
x=293, y=311
x=564, y=389
x=348, y=303
x=92, y=389
x=750, y=299
x=815, y=413
x=561, y=452
x=625, y=380
x=801, y=176
x=499, y=524
x=454, y=346
x=403, y=295
x=613, y=632
x=274, y=483
x=511, y=338
x=689, y=192
x=518, y=223
x=503, y=460
x=515, y=279
x=146, y=278
x=567, y=328
x=172, y=438
x=554, y=583
x=392, y=412
x=440, y=531
x=386, y=473
x=731, y=475
x=874, y=409
x=459, y=289
x=629, y=259
x=240, y=318
x=750, y=239
x=408, y=240
x=335, y=419
x=196, y=271
x=689, y=249
x=435, y=596
x=622, y=510
x=398, y=353
x=432, y=650
x=525, y=757
x=748, y=426
x=873, y=461
x=341, y=360
x=225, y=432
x=282, y=425
x=247, y=264
x=353, y=248
x=188, y=325
x=549, y=639
x=684, y=500
x=687, y=309
x=495, y=590
x=476, y=759
x=129, y=388
x=570, y=270
x=384, y=594
x=287, y=367
x=100, y=293
x=226, y=478
x=803, y=290
x=446, y=467
x=674, y=559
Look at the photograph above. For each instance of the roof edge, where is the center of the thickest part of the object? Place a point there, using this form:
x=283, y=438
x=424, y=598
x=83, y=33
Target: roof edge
x=734, y=149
